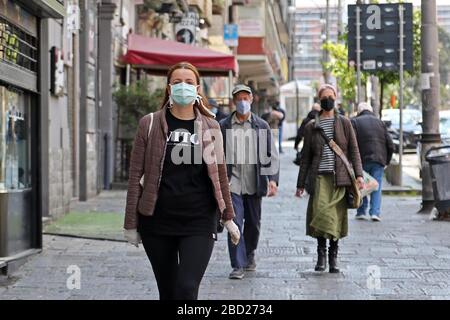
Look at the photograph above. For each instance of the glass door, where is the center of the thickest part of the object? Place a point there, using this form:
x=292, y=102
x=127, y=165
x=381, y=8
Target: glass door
x=15, y=164
x=16, y=196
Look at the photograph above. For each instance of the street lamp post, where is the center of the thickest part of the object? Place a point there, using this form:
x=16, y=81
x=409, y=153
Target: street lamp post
x=430, y=97
x=327, y=38
x=292, y=25
x=297, y=106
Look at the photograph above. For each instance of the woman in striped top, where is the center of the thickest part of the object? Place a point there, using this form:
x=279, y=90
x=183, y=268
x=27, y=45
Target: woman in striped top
x=324, y=176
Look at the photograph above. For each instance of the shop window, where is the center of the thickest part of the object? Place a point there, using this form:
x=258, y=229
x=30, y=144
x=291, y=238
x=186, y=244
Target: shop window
x=15, y=164
x=17, y=47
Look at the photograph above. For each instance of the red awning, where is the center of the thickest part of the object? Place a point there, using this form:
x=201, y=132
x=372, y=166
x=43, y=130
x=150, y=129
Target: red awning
x=157, y=55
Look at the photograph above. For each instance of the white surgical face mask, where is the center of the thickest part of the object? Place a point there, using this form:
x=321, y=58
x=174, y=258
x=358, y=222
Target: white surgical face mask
x=243, y=106
x=183, y=94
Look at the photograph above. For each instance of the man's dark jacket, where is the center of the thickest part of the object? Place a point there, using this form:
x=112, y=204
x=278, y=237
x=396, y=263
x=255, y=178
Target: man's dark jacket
x=258, y=124
x=375, y=143
x=301, y=131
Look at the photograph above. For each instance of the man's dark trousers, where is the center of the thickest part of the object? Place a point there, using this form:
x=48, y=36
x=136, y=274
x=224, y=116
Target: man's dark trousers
x=248, y=219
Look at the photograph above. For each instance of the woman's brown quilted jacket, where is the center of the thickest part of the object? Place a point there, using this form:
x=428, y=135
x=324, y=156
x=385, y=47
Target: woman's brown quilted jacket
x=147, y=158
x=345, y=137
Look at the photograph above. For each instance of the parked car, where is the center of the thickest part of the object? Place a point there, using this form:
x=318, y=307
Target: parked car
x=412, y=128
x=444, y=130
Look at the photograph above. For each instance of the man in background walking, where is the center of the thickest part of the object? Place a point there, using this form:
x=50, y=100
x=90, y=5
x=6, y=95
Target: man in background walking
x=376, y=149
x=275, y=118
x=253, y=173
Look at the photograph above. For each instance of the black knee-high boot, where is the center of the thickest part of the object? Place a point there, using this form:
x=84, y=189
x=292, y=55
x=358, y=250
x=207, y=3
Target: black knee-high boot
x=321, y=254
x=332, y=256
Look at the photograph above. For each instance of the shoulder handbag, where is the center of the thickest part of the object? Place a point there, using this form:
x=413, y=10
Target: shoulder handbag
x=298, y=158
x=141, y=182
x=220, y=226
x=370, y=184
x=353, y=194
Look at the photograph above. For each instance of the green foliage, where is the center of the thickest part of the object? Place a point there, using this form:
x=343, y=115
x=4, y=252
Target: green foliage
x=444, y=90
x=135, y=101
x=346, y=76
x=444, y=55
x=338, y=66
x=388, y=77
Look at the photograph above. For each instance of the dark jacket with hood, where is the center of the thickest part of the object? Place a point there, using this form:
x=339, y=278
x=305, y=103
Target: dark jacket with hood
x=374, y=142
x=262, y=180
x=301, y=131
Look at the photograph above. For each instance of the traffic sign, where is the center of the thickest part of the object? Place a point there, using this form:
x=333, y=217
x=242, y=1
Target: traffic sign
x=185, y=31
x=230, y=35
x=380, y=36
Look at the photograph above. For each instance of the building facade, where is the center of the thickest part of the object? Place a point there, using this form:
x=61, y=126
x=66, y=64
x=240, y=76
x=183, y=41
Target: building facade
x=262, y=52
x=56, y=120
x=32, y=104
x=309, y=36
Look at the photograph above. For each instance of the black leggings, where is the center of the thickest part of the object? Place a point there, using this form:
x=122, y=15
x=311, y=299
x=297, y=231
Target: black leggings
x=178, y=263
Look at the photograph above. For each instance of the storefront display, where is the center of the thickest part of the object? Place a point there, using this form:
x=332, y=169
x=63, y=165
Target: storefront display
x=15, y=169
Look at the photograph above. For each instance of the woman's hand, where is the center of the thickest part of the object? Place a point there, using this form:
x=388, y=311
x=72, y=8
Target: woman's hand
x=272, y=189
x=233, y=230
x=300, y=192
x=360, y=182
x=132, y=237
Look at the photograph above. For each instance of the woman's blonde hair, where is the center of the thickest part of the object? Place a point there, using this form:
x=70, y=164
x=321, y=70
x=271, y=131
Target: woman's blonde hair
x=201, y=105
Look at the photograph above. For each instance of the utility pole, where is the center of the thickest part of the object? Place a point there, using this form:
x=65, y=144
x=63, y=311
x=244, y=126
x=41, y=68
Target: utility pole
x=375, y=101
x=358, y=55
x=402, y=53
x=430, y=97
x=327, y=38
x=294, y=44
x=340, y=24
x=292, y=40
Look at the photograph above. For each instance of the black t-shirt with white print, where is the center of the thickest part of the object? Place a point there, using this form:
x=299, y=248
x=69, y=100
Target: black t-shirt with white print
x=186, y=204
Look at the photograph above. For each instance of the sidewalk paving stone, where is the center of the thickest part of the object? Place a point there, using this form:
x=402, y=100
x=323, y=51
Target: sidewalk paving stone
x=411, y=252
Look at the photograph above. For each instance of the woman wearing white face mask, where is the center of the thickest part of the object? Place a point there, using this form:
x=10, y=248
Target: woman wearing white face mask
x=176, y=209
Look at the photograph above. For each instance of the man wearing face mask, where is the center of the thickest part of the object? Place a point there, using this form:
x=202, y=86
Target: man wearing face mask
x=253, y=171
x=214, y=107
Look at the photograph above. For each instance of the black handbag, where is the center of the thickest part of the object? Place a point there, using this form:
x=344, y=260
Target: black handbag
x=298, y=158
x=220, y=226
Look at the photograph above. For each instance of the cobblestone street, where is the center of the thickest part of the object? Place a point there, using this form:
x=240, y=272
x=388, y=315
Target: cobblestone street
x=408, y=255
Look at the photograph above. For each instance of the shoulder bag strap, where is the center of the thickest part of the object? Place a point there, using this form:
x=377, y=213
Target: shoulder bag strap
x=337, y=150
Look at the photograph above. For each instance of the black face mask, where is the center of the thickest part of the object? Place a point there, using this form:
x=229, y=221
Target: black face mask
x=327, y=104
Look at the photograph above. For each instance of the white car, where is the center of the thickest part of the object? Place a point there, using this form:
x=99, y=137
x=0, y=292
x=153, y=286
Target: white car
x=444, y=126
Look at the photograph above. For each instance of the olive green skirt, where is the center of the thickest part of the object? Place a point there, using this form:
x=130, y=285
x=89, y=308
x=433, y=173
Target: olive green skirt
x=327, y=210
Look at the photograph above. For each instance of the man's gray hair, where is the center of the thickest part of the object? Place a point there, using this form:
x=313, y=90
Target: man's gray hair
x=363, y=106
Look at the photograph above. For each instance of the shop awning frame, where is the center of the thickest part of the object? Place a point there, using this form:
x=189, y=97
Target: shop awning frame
x=155, y=56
